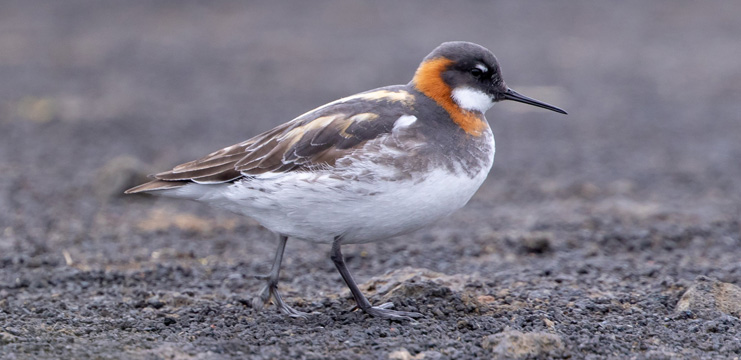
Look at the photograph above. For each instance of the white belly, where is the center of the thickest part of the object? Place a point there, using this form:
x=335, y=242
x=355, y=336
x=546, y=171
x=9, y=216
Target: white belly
x=319, y=208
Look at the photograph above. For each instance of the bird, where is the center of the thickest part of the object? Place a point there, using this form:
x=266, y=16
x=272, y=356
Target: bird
x=363, y=168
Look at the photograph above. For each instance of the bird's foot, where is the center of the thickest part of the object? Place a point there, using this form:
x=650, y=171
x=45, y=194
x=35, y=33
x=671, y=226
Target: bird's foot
x=270, y=290
x=383, y=311
x=285, y=308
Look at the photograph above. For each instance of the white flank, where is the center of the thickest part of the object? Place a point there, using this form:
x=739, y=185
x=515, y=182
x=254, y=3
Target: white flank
x=472, y=100
x=319, y=207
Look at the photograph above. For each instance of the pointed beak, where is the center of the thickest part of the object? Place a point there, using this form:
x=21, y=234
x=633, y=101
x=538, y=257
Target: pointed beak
x=515, y=96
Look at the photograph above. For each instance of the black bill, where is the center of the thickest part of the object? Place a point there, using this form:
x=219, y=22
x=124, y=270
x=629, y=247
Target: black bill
x=515, y=96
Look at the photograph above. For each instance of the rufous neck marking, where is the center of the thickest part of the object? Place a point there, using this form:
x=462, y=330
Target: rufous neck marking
x=428, y=80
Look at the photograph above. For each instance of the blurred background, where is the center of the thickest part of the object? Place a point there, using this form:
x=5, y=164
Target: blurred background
x=640, y=181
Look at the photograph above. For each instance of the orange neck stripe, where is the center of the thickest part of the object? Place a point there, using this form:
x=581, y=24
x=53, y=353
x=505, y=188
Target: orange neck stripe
x=428, y=80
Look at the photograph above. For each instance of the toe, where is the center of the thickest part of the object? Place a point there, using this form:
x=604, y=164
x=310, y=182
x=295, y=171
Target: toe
x=293, y=312
x=385, y=313
x=388, y=305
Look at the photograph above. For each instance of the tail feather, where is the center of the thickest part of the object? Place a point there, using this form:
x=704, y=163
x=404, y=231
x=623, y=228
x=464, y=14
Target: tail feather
x=155, y=185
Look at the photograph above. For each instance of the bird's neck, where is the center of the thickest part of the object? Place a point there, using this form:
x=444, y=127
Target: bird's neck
x=428, y=80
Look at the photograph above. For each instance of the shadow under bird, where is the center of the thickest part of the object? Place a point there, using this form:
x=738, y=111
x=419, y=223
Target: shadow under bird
x=363, y=168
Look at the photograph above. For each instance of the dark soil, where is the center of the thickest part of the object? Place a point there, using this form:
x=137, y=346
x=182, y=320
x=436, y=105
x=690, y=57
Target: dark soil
x=581, y=243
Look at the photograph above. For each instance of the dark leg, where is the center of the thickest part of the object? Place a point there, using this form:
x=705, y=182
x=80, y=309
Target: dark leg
x=271, y=288
x=381, y=310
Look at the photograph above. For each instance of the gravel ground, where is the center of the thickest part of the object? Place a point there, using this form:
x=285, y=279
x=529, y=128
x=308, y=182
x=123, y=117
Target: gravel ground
x=588, y=232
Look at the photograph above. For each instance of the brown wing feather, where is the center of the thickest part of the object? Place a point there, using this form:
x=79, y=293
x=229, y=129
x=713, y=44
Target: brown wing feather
x=315, y=139
x=196, y=173
x=156, y=185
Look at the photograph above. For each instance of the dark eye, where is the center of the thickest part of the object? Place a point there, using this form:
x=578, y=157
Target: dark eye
x=476, y=72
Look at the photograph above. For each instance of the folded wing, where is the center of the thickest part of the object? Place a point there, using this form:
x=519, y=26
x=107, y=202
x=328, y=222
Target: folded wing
x=313, y=140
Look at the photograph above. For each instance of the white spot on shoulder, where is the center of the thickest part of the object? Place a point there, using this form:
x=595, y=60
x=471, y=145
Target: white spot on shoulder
x=404, y=121
x=472, y=100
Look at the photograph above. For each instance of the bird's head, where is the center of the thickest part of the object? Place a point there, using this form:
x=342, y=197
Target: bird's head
x=467, y=75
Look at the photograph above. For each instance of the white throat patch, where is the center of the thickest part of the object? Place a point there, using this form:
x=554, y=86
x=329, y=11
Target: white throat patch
x=472, y=100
